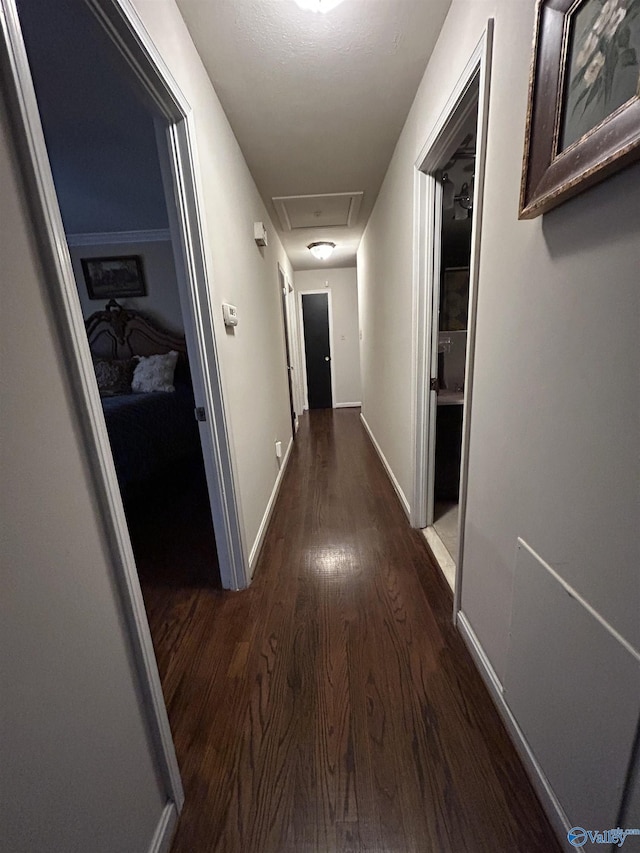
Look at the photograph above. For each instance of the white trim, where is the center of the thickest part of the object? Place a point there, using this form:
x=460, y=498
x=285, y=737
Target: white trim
x=573, y=593
x=295, y=352
x=346, y=405
x=424, y=205
x=433, y=319
x=165, y=830
x=302, y=293
x=550, y=803
x=486, y=49
x=441, y=555
x=114, y=238
x=396, y=485
x=285, y=290
x=426, y=272
x=125, y=28
x=264, y=524
x=219, y=455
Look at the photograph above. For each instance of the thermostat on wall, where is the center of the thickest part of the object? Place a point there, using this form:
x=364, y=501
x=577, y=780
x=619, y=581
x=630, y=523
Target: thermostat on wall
x=230, y=314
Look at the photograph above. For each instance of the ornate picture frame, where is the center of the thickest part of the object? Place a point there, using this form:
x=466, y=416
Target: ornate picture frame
x=114, y=277
x=583, y=117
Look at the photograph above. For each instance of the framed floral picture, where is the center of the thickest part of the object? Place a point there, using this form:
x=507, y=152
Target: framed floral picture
x=583, y=119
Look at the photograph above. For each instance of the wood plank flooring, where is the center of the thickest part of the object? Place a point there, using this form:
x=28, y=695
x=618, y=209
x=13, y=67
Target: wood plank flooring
x=332, y=706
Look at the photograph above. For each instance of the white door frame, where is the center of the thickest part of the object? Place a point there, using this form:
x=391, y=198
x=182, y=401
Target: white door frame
x=186, y=215
x=303, y=354
x=130, y=36
x=470, y=92
x=285, y=291
x=295, y=353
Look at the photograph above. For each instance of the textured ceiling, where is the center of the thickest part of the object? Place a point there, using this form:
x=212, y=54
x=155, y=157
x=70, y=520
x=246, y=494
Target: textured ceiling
x=317, y=102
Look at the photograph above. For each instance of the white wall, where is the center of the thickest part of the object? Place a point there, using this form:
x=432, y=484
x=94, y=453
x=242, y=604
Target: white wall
x=554, y=426
x=162, y=302
x=345, y=355
x=252, y=357
x=77, y=766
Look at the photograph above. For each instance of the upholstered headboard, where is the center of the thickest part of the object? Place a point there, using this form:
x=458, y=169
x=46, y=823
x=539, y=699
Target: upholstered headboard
x=120, y=333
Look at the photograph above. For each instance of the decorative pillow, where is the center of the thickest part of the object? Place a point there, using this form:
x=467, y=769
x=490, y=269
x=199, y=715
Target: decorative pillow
x=154, y=373
x=114, y=377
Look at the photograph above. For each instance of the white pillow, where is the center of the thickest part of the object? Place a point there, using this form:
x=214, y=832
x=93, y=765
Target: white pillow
x=154, y=373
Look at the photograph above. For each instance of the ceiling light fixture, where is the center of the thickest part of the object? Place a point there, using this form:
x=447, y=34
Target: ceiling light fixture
x=322, y=250
x=323, y=6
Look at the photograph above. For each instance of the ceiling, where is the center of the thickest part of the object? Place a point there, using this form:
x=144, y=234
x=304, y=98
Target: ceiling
x=316, y=102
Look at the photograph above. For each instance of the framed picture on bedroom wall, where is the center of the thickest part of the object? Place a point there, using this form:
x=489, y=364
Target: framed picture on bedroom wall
x=112, y=278
x=583, y=119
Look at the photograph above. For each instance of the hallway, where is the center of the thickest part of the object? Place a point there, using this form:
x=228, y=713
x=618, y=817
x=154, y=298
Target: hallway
x=333, y=706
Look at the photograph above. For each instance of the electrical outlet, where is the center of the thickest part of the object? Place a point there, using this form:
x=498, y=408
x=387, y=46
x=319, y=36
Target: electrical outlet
x=278, y=449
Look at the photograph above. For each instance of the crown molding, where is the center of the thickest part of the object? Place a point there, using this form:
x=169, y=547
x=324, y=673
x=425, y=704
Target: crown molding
x=112, y=238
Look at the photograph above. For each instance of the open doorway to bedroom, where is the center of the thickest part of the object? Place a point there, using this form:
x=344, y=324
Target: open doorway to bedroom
x=131, y=51
x=108, y=165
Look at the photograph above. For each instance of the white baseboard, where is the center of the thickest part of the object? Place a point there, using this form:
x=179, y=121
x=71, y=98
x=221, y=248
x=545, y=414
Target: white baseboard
x=387, y=467
x=550, y=803
x=257, y=545
x=163, y=835
x=347, y=405
x=442, y=557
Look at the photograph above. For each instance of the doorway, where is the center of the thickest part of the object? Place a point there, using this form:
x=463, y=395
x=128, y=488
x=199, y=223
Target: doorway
x=127, y=32
x=448, y=188
x=101, y=138
x=316, y=332
x=450, y=317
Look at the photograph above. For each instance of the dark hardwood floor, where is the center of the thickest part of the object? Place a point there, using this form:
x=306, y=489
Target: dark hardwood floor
x=332, y=706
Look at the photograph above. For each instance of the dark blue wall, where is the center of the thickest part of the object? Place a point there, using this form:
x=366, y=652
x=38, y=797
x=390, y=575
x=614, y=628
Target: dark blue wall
x=98, y=126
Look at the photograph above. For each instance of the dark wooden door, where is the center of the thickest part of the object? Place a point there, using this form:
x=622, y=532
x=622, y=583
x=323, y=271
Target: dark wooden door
x=315, y=318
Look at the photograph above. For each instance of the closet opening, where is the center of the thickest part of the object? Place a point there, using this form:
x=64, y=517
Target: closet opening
x=457, y=177
x=448, y=192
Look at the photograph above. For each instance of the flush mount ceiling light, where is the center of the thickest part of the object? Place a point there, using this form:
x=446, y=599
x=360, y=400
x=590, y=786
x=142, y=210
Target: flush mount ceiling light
x=323, y=6
x=321, y=250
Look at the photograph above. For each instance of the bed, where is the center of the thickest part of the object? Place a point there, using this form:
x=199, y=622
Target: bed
x=151, y=432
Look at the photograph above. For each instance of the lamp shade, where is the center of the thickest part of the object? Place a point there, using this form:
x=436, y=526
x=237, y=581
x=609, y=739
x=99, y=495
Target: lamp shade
x=322, y=250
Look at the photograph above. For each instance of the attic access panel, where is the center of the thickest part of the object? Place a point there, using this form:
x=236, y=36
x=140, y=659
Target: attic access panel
x=327, y=210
